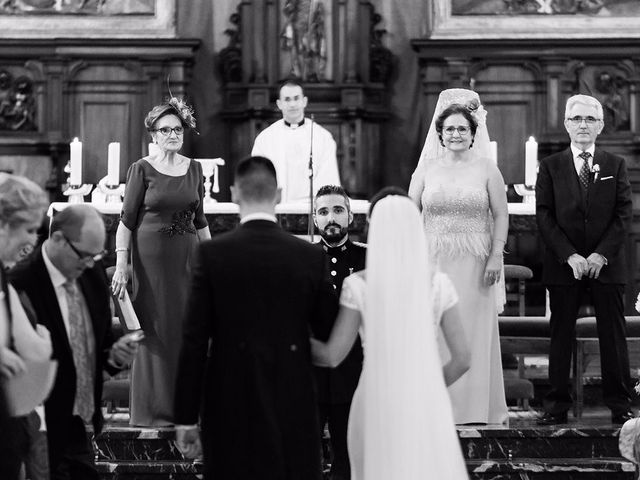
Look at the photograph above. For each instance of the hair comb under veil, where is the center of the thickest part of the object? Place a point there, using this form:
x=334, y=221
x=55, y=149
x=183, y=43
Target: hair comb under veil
x=408, y=419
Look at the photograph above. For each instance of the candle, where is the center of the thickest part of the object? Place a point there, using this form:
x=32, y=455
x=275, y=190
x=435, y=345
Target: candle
x=530, y=162
x=493, y=151
x=75, y=175
x=153, y=150
x=113, y=164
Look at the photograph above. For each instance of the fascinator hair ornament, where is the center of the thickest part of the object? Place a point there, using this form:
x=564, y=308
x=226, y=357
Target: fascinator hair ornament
x=184, y=111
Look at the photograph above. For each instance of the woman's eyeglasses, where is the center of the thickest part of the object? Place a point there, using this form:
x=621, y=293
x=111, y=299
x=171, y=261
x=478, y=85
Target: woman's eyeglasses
x=96, y=257
x=166, y=131
x=577, y=120
x=462, y=130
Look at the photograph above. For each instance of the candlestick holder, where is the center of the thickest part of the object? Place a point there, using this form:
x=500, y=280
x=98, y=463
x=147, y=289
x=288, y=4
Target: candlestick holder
x=527, y=192
x=76, y=193
x=210, y=169
x=110, y=193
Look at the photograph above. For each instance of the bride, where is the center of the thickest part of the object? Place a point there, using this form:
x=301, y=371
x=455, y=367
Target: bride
x=401, y=423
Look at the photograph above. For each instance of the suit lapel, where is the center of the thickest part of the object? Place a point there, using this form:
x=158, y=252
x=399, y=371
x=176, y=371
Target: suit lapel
x=50, y=301
x=568, y=171
x=599, y=158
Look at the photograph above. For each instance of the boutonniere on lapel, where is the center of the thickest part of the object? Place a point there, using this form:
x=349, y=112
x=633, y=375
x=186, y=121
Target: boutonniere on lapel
x=595, y=171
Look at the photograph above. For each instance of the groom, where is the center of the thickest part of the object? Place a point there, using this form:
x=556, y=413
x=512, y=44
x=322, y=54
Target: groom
x=583, y=209
x=245, y=358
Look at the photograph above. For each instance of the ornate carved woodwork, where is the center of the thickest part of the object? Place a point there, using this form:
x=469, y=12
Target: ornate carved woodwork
x=337, y=50
x=98, y=90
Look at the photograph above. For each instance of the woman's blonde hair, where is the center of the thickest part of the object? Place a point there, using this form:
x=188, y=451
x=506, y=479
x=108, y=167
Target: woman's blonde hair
x=21, y=200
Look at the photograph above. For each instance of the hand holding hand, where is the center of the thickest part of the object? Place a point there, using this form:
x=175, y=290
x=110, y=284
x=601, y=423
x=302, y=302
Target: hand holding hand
x=11, y=365
x=579, y=265
x=188, y=441
x=125, y=348
x=119, y=282
x=595, y=262
x=493, y=269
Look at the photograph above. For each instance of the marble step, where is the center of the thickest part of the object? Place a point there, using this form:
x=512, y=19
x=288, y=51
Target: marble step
x=552, y=469
x=520, y=469
x=586, y=442
x=154, y=470
x=130, y=444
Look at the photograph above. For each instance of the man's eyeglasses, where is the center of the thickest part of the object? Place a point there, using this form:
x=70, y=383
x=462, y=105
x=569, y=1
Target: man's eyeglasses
x=166, y=131
x=577, y=120
x=96, y=257
x=462, y=130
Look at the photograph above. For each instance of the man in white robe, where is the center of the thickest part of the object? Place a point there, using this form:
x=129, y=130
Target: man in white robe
x=287, y=144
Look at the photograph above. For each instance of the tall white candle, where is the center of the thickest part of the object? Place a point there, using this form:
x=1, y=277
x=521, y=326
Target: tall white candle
x=153, y=149
x=113, y=164
x=75, y=175
x=493, y=151
x=530, y=162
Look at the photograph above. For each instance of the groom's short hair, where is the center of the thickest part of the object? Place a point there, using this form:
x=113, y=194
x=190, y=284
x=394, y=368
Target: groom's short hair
x=256, y=180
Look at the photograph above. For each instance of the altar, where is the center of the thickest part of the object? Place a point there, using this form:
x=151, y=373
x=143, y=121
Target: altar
x=293, y=217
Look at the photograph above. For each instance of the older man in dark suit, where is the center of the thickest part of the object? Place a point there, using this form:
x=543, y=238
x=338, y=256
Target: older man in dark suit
x=583, y=210
x=66, y=284
x=245, y=354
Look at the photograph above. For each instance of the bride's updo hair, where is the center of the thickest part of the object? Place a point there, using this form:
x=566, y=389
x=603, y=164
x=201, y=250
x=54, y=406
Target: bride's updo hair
x=453, y=110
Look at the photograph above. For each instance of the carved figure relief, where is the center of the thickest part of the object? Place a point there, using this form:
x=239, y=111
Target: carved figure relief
x=611, y=88
x=230, y=57
x=17, y=103
x=546, y=7
x=380, y=57
x=83, y=7
x=303, y=36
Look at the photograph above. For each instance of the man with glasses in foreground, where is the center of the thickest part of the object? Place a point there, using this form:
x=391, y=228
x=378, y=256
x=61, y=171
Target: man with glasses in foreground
x=583, y=209
x=66, y=284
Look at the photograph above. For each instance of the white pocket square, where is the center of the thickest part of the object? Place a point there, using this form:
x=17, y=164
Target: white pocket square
x=606, y=178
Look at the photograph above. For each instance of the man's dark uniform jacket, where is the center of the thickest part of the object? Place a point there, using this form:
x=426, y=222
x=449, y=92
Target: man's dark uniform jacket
x=32, y=278
x=337, y=385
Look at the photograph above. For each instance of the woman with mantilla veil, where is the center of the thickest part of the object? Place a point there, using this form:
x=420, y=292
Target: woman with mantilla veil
x=464, y=209
x=401, y=424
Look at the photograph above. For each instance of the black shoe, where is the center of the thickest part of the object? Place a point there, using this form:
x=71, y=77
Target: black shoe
x=620, y=418
x=552, y=418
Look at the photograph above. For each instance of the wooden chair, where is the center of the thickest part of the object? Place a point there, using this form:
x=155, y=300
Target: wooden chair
x=521, y=336
x=586, y=349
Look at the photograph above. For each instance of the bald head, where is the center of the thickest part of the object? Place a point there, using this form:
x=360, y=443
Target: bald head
x=77, y=234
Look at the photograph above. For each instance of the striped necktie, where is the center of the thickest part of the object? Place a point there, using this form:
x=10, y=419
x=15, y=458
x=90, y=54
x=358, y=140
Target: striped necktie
x=82, y=346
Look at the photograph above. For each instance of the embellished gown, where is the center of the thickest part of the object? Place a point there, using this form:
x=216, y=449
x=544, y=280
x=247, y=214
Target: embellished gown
x=458, y=225
x=163, y=212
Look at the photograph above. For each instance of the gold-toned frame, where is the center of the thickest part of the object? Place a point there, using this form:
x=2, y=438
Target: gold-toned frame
x=162, y=24
x=442, y=24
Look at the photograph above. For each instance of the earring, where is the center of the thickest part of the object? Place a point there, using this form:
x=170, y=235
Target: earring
x=472, y=140
x=441, y=141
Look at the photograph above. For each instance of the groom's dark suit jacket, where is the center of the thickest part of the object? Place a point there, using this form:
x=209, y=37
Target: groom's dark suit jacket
x=571, y=222
x=32, y=278
x=245, y=356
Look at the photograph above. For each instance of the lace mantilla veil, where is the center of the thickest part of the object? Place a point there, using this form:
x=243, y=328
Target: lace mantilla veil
x=432, y=148
x=408, y=421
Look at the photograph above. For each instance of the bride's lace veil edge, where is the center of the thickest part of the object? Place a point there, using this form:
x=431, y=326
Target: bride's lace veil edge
x=403, y=367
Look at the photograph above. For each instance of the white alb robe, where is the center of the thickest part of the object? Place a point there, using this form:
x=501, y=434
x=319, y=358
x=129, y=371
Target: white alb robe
x=288, y=148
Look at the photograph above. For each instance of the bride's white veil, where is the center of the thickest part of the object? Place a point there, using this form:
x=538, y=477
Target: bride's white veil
x=408, y=423
x=432, y=148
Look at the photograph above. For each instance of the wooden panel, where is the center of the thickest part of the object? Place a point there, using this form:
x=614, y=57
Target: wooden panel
x=106, y=120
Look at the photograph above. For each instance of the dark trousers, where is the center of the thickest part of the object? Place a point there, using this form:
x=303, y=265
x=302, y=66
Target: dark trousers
x=608, y=303
x=337, y=418
x=22, y=443
x=72, y=457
